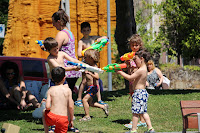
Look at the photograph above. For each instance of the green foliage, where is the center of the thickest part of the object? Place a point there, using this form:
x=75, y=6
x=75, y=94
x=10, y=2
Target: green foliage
x=150, y=39
x=175, y=66
x=192, y=67
x=3, y=15
x=180, y=27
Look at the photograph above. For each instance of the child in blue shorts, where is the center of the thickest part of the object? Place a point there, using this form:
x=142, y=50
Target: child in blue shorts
x=140, y=95
x=91, y=57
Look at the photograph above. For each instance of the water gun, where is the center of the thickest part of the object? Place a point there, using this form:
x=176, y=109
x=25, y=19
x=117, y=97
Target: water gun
x=97, y=45
x=86, y=67
x=40, y=42
x=114, y=66
x=127, y=56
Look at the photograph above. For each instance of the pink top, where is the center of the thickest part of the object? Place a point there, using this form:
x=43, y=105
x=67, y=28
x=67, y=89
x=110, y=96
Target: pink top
x=69, y=48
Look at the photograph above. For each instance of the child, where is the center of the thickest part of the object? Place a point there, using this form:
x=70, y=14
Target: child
x=59, y=103
x=140, y=95
x=136, y=44
x=56, y=57
x=91, y=57
x=84, y=43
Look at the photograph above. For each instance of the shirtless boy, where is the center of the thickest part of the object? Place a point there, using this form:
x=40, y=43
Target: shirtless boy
x=59, y=103
x=140, y=95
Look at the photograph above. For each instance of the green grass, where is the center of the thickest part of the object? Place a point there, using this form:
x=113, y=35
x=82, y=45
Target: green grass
x=163, y=108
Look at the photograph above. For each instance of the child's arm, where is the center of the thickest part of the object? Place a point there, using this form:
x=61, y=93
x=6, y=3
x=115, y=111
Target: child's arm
x=94, y=75
x=71, y=108
x=54, y=64
x=129, y=77
x=48, y=101
x=67, y=57
x=80, y=48
x=103, y=37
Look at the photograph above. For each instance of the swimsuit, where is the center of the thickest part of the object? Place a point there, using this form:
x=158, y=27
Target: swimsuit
x=139, y=102
x=69, y=48
x=92, y=90
x=61, y=122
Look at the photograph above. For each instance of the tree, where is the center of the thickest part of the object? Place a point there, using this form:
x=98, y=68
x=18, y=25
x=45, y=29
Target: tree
x=3, y=19
x=125, y=24
x=180, y=27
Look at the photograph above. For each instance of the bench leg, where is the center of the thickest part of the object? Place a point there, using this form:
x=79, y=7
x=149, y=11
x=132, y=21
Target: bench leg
x=184, y=130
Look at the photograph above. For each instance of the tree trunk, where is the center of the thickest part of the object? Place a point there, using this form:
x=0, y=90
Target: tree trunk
x=125, y=26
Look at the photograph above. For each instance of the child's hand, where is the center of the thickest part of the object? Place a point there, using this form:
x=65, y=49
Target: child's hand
x=88, y=72
x=118, y=71
x=75, y=68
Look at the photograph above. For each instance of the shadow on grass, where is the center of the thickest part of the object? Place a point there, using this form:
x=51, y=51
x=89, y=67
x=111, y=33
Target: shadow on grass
x=18, y=115
x=122, y=121
x=171, y=92
x=108, y=95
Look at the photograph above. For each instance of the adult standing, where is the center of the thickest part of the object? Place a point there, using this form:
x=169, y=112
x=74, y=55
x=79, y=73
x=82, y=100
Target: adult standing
x=66, y=43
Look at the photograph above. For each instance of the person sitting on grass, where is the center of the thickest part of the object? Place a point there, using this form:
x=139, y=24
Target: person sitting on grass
x=139, y=93
x=13, y=88
x=91, y=57
x=59, y=104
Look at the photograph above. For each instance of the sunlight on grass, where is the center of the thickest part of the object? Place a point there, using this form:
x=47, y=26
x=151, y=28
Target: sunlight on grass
x=163, y=108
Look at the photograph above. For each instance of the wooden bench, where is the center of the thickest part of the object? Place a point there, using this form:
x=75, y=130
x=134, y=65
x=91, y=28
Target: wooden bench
x=190, y=114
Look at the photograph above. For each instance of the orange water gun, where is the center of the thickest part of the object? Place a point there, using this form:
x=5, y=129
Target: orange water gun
x=114, y=66
x=127, y=56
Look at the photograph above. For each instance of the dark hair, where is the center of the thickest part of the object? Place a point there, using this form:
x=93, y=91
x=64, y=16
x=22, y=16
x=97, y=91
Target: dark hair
x=92, y=53
x=50, y=43
x=145, y=54
x=85, y=25
x=9, y=65
x=62, y=16
x=58, y=73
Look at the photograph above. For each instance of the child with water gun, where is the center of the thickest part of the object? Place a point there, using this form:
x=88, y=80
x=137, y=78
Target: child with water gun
x=85, y=43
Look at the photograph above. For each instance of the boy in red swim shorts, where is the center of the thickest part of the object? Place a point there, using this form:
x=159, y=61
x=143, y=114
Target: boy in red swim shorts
x=59, y=102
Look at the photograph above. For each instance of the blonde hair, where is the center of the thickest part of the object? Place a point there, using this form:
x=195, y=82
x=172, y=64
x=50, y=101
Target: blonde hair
x=94, y=54
x=135, y=38
x=150, y=62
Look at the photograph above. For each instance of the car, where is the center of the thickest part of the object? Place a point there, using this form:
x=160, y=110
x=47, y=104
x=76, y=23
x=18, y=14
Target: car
x=36, y=69
x=35, y=72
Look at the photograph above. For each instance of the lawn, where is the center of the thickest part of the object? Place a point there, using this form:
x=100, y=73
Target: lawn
x=163, y=108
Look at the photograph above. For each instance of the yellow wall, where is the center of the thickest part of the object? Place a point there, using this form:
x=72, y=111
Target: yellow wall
x=30, y=20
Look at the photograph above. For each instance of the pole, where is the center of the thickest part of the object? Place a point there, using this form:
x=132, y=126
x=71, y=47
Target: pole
x=109, y=46
x=67, y=10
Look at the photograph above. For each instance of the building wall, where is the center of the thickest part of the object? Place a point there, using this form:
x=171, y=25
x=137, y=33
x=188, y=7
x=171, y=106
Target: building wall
x=30, y=20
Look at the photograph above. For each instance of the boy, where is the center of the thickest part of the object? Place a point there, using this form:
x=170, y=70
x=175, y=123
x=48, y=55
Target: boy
x=91, y=57
x=56, y=58
x=84, y=43
x=59, y=103
x=140, y=95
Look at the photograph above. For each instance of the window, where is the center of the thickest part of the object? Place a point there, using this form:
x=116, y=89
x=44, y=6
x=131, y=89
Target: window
x=32, y=68
x=48, y=69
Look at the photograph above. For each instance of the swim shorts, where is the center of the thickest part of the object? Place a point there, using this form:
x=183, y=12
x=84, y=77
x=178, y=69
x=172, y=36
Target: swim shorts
x=92, y=90
x=139, y=101
x=61, y=122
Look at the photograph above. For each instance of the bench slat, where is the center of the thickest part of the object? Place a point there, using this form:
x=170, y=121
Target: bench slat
x=188, y=111
x=190, y=104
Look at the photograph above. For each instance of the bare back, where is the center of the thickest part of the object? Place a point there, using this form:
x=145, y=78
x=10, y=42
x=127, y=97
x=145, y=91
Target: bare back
x=60, y=96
